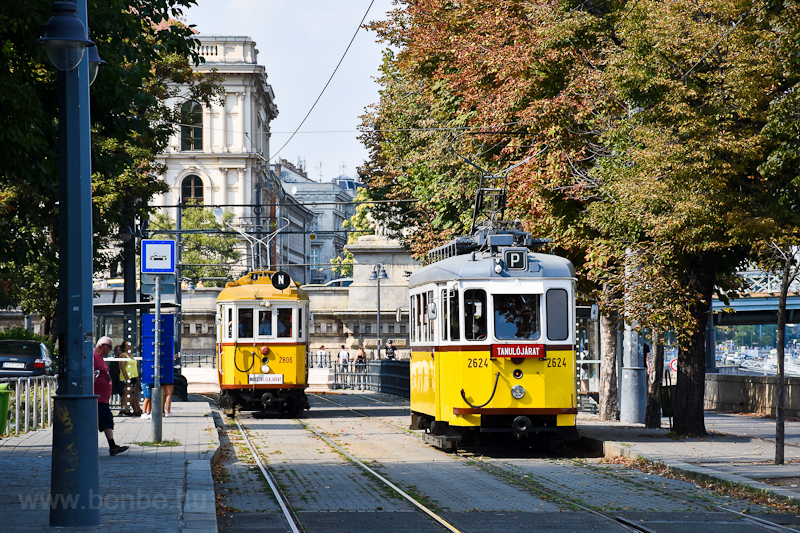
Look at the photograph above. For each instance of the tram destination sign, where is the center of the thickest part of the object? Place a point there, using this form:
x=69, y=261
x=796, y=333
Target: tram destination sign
x=265, y=378
x=515, y=351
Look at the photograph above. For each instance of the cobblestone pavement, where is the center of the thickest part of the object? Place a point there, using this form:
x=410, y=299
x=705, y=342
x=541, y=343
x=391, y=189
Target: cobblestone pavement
x=144, y=489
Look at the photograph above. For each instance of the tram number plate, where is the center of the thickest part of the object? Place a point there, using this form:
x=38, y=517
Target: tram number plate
x=556, y=362
x=477, y=362
x=13, y=365
x=266, y=378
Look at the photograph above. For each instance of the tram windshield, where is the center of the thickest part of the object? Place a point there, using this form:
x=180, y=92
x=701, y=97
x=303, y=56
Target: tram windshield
x=516, y=316
x=245, y=323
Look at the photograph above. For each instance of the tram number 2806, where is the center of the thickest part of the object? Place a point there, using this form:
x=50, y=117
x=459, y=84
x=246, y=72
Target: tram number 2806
x=283, y=359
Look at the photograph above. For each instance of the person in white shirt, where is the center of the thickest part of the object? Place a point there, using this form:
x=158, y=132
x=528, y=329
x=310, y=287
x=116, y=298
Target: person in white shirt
x=322, y=357
x=344, y=358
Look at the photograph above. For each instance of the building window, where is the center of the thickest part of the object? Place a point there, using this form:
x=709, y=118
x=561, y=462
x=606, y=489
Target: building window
x=314, y=257
x=315, y=223
x=191, y=126
x=192, y=190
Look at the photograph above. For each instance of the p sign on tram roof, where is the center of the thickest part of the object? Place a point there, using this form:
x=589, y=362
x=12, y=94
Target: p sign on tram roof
x=158, y=257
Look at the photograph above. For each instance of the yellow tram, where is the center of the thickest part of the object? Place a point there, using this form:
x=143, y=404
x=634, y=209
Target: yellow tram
x=492, y=336
x=262, y=339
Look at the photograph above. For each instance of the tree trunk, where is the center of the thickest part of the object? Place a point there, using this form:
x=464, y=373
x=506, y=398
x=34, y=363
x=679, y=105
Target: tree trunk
x=780, y=401
x=608, y=368
x=655, y=368
x=691, y=386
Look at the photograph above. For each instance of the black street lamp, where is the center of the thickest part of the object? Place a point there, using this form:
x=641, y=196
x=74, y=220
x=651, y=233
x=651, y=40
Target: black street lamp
x=378, y=273
x=75, y=467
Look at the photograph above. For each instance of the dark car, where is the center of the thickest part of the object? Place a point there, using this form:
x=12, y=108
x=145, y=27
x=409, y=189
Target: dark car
x=23, y=358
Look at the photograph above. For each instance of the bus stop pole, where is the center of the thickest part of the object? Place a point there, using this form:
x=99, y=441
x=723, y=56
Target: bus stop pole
x=156, y=401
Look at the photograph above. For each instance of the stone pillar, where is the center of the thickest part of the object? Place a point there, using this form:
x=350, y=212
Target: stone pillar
x=207, y=130
x=223, y=185
x=240, y=129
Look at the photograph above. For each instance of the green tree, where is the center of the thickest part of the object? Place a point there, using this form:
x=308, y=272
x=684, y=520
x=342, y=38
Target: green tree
x=209, y=255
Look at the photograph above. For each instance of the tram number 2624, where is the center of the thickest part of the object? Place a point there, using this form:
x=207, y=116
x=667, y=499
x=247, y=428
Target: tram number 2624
x=556, y=362
x=477, y=362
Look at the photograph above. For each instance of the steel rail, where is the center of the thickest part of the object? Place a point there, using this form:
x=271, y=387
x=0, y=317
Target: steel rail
x=766, y=524
x=624, y=522
x=290, y=516
x=438, y=519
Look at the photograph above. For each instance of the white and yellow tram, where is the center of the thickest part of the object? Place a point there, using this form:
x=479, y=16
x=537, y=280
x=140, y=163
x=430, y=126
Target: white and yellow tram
x=492, y=336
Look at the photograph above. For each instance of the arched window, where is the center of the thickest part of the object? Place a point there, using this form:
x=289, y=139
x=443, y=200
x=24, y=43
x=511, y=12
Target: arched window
x=191, y=126
x=192, y=189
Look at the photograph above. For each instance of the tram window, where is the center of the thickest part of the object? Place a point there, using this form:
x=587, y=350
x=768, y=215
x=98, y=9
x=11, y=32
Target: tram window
x=516, y=316
x=557, y=315
x=265, y=323
x=245, y=323
x=423, y=306
x=300, y=323
x=230, y=323
x=475, y=314
x=430, y=320
x=455, y=334
x=445, y=316
x=284, y=322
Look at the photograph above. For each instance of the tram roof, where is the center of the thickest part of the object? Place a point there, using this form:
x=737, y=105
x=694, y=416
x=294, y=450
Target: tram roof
x=257, y=285
x=480, y=265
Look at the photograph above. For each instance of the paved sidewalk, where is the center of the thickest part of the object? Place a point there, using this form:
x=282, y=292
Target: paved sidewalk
x=144, y=489
x=738, y=449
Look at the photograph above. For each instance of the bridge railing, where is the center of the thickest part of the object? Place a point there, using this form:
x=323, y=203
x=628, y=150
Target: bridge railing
x=391, y=377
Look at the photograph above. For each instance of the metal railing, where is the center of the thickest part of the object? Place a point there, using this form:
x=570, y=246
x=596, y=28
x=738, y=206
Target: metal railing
x=320, y=360
x=391, y=377
x=31, y=403
x=198, y=359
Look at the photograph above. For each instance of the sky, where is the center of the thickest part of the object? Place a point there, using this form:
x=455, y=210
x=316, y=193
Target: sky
x=300, y=42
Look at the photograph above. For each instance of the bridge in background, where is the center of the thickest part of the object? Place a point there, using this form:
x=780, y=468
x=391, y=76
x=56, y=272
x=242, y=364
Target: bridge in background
x=759, y=303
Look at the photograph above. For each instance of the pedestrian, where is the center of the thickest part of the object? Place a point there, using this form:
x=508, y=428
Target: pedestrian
x=361, y=366
x=390, y=351
x=322, y=357
x=167, y=389
x=102, y=388
x=117, y=386
x=129, y=373
x=343, y=359
x=147, y=405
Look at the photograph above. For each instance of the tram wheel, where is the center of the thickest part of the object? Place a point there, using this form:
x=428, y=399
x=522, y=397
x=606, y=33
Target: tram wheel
x=230, y=413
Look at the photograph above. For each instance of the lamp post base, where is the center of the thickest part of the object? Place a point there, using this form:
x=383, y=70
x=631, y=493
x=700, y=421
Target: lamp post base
x=75, y=478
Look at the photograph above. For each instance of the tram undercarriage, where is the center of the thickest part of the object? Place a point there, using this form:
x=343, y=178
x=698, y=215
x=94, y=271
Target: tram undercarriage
x=288, y=401
x=539, y=431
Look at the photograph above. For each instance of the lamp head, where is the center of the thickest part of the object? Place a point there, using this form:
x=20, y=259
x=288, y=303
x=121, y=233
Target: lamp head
x=64, y=37
x=94, y=63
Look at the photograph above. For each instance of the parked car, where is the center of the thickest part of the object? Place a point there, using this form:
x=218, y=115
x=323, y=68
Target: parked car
x=341, y=282
x=24, y=358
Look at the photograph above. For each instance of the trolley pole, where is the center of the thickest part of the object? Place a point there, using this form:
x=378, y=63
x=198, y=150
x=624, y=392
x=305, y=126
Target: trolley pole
x=156, y=401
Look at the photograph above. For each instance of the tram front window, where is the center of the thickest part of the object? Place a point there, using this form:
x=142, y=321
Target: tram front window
x=284, y=322
x=246, y=323
x=475, y=314
x=265, y=322
x=516, y=316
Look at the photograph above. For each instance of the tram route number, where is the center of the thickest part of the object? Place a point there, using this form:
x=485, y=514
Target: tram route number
x=556, y=362
x=477, y=362
x=283, y=359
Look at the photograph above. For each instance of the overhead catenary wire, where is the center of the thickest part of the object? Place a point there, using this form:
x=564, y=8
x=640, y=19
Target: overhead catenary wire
x=360, y=24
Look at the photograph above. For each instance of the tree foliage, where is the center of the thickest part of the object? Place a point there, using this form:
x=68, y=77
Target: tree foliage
x=662, y=140
x=147, y=52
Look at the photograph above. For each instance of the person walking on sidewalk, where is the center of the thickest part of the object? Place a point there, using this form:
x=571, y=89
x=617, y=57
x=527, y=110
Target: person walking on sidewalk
x=102, y=388
x=129, y=374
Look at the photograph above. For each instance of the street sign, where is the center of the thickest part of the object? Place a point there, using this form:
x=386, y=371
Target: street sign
x=673, y=365
x=281, y=280
x=149, y=283
x=158, y=257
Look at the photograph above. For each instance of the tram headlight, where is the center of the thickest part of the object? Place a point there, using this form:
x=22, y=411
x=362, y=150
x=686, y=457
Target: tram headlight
x=517, y=391
x=265, y=369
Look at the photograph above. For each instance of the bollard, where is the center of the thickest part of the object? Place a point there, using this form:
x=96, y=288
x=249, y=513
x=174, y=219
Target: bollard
x=4, y=399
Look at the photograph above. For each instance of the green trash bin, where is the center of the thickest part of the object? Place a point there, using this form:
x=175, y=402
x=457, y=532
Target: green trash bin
x=5, y=394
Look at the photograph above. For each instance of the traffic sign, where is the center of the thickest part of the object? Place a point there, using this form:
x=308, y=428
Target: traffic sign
x=149, y=283
x=158, y=257
x=673, y=365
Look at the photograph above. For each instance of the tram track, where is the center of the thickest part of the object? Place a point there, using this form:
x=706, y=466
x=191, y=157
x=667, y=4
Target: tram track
x=508, y=473
x=286, y=508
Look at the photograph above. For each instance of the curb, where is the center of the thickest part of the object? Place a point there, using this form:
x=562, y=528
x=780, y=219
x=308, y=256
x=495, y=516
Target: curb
x=611, y=449
x=199, y=504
